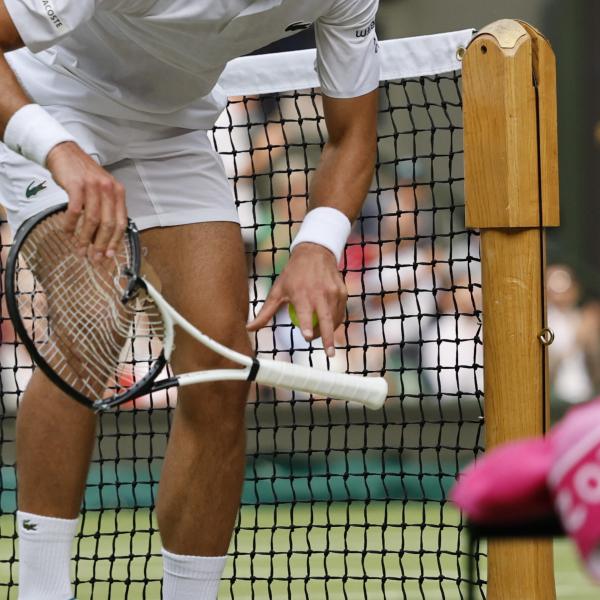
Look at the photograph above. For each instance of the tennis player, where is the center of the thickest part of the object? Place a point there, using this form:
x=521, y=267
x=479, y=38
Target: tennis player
x=106, y=104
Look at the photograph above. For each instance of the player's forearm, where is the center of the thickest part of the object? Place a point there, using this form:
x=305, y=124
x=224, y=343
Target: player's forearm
x=347, y=164
x=25, y=127
x=12, y=95
x=342, y=180
x=344, y=175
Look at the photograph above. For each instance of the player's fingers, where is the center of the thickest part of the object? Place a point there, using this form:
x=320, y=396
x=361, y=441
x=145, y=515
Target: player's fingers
x=121, y=220
x=272, y=304
x=326, y=326
x=107, y=224
x=91, y=217
x=304, y=312
x=74, y=209
x=338, y=316
x=342, y=302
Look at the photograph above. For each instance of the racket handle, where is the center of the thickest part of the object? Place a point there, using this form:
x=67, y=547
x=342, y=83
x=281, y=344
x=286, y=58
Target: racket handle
x=369, y=391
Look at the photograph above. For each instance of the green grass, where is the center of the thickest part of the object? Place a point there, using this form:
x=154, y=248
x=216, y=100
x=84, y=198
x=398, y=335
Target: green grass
x=307, y=542
x=571, y=581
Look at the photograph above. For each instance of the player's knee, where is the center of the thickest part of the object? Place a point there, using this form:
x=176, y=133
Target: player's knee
x=217, y=407
x=217, y=410
x=189, y=355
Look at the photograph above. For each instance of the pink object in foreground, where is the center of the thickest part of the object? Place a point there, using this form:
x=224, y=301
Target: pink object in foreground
x=528, y=479
x=574, y=480
x=507, y=485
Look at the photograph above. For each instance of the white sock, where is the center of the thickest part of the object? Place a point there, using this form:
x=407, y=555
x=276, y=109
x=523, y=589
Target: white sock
x=45, y=556
x=191, y=577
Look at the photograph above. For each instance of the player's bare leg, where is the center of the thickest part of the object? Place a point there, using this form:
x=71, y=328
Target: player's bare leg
x=203, y=274
x=55, y=437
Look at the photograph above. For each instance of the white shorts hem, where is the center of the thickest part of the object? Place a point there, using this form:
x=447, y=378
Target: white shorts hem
x=15, y=220
x=185, y=218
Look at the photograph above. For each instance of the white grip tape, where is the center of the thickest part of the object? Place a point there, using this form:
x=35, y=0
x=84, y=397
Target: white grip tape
x=325, y=226
x=369, y=391
x=32, y=133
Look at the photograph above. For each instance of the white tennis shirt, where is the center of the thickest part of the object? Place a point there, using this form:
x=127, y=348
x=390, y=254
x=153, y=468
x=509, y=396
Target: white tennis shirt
x=159, y=61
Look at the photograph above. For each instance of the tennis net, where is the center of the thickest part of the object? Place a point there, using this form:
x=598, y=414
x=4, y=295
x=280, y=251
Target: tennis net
x=338, y=502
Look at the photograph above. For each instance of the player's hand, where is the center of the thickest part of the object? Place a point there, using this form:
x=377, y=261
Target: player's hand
x=311, y=281
x=95, y=196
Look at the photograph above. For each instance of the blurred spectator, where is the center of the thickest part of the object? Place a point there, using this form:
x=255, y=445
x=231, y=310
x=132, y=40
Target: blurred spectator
x=452, y=351
x=255, y=134
x=12, y=380
x=574, y=352
x=390, y=280
x=417, y=305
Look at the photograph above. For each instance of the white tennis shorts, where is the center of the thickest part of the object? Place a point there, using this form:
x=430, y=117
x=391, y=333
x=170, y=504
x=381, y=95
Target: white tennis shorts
x=172, y=176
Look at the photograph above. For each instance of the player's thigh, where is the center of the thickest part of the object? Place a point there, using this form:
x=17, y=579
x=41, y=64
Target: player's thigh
x=202, y=269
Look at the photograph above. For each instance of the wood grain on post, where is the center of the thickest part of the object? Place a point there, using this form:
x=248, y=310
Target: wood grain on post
x=511, y=187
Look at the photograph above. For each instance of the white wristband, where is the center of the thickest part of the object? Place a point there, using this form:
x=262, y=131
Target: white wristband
x=327, y=227
x=32, y=132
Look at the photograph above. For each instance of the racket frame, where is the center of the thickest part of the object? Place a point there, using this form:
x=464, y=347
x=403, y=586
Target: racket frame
x=141, y=387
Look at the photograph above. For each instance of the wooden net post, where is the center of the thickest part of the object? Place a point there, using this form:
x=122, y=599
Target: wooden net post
x=511, y=186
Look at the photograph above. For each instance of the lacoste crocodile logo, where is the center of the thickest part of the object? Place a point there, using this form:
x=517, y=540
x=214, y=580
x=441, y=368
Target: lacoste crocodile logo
x=29, y=526
x=33, y=189
x=298, y=26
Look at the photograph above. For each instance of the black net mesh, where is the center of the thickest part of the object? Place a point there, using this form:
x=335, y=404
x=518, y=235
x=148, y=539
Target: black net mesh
x=338, y=502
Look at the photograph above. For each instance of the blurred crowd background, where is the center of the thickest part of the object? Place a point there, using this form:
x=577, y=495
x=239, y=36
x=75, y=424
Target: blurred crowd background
x=574, y=253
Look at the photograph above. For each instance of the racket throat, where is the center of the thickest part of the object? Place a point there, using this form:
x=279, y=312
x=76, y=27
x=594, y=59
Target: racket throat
x=254, y=368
